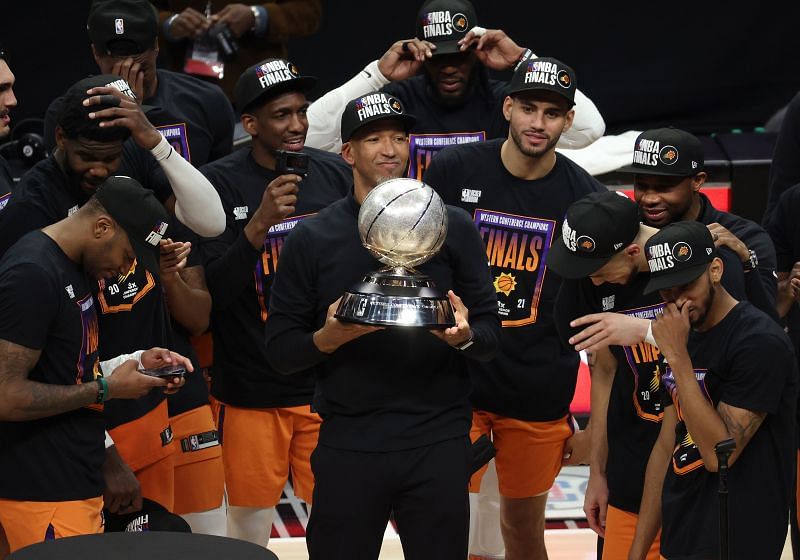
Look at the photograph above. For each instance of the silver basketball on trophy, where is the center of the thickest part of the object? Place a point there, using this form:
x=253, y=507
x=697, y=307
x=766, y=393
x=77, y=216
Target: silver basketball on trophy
x=403, y=223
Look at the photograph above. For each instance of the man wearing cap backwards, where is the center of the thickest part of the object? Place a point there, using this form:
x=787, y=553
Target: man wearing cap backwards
x=517, y=190
x=53, y=383
x=194, y=116
x=668, y=175
x=268, y=425
x=394, y=403
x=92, y=128
x=719, y=386
x=453, y=98
x=7, y=102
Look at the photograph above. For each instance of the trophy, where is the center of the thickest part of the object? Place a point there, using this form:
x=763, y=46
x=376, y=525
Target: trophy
x=403, y=223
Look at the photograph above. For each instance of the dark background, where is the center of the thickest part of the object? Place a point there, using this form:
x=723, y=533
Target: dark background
x=700, y=66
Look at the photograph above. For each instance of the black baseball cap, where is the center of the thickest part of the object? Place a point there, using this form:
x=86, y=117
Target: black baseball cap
x=139, y=213
x=544, y=74
x=444, y=23
x=267, y=79
x=122, y=27
x=678, y=254
x=152, y=517
x=596, y=227
x=666, y=151
x=375, y=106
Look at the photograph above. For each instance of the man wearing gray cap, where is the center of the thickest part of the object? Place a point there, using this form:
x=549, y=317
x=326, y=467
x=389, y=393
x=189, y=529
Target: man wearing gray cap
x=53, y=382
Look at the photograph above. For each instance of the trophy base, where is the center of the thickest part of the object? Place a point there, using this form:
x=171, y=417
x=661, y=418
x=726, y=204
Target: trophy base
x=396, y=299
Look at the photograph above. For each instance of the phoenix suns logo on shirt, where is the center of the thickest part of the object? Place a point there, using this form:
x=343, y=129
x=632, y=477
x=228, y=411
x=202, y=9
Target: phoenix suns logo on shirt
x=516, y=247
x=647, y=365
x=268, y=263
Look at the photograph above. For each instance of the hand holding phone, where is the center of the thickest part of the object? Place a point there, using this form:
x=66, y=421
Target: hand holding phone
x=166, y=372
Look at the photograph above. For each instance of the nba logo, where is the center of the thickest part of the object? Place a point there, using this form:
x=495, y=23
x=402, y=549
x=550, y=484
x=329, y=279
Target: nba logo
x=119, y=26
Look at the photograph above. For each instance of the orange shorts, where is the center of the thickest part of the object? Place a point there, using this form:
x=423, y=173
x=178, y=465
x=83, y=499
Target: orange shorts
x=199, y=476
x=260, y=445
x=620, y=529
x=27, y=523
x=158, y=481
x=528, y=455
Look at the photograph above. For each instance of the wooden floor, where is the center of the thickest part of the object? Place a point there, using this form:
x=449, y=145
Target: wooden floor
x=562, y=544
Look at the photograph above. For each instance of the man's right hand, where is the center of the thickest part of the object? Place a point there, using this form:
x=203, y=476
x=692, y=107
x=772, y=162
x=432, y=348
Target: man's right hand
x=607, y=329
x=125, y=382
x=123, y=493
x=189, y=24
x=595, y=503
x=493, y=47
x=128, y=114
x=405, y=58
x=334, y=333
x=277, y=202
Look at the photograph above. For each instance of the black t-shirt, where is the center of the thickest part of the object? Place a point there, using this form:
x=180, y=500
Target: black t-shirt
x=239, y=276
x=6, y=182
x=479, y=117
x=46, y=304
x=784, y=170
x=397, y=388
x=635, y=407
x=195, y=116
x=533, y=376
x=745, y=361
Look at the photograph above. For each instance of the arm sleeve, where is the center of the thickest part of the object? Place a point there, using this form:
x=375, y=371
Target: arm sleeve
x=197, y=204
x=785, y=169
x=28, y=304
x=325, y=114
x=292, y=314
x=293, y=18
x=587, y=126
x=229, y=261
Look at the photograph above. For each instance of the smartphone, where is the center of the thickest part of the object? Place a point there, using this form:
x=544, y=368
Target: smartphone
x=165, y=372
x=291, y=162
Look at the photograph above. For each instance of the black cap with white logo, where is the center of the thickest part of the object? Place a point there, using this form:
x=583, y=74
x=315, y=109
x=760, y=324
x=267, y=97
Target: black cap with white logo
x=122, y=27
x=544, y=74
x=373, y=107
x=597, y=227
x=666, y=151
x=444, y=23
x=139, y=213
x=678, y=254
x=267, y=79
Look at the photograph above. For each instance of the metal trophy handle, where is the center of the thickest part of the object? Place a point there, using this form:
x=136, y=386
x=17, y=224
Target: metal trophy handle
x=403, y=223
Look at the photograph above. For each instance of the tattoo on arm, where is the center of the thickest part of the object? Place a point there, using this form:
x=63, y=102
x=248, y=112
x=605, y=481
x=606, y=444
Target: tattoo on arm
x=742, y=424
x=23, y=399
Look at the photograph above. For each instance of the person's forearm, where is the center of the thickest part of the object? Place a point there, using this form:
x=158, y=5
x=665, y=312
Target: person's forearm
x=702, y=420
x=294, y=351
x=485, y=338
x=324, y=114
x=23, y=399
x=191, y=307
x=600, y=395
x=197, y=204
x=649, y=521
x=231, y=272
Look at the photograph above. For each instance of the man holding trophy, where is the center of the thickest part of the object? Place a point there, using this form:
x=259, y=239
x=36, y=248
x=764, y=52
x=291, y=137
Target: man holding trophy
x=391, y=386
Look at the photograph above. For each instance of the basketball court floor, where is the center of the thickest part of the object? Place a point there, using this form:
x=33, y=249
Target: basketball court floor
x=566, y=536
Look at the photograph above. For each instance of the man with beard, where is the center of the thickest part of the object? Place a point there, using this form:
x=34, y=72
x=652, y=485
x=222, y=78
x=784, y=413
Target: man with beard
x=269, y=427
x=394, y=401
x=719, y=387
x=517, y=190
x=7, y=102
x=668, y=168
x=453, y=98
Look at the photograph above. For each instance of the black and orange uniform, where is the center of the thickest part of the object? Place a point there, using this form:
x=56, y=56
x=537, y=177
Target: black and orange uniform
x=193, y=115
x=532, y=378
x=635, y=407
x=265, y=421
x=730, y=366
x=439, y=125
x=51, y=480
x=784, y=229
x=139, y=427
x=760, y=287
x=394, y=403
x=199, y=474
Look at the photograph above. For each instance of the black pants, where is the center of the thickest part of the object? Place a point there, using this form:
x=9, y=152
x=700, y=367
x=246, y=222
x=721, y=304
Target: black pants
x=355, y=493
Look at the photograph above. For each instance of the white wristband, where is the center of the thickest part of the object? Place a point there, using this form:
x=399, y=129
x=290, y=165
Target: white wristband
x=649, y=338
x=108, y=366
x=109, y=441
